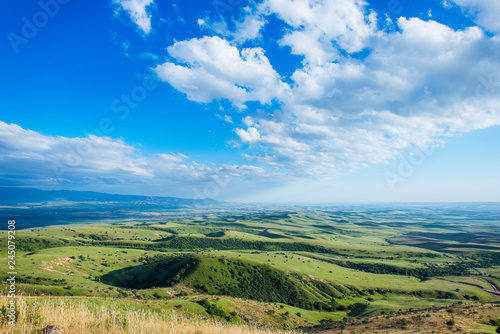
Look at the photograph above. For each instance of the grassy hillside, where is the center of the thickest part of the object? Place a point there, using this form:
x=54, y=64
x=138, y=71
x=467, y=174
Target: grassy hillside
x=454, y=319
x=100, y=317
x=277, y=269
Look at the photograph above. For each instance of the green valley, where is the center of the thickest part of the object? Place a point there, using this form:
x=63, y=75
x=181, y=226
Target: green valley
x=280, y=269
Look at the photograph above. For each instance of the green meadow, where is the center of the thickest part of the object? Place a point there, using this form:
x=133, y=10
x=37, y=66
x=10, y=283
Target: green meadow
x=285, y=269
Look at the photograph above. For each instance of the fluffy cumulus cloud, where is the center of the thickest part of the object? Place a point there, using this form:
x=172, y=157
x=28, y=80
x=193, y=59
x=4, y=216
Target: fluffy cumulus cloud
x=360, y=95
x=485, y=12
x=138, y=11
x=246, y=29
x=30, y=158
x=211, y=68
x=411, y=90
x=321, y=28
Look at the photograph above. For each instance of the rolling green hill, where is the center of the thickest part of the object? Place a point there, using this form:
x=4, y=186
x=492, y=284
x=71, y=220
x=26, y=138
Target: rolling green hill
x=280, y=269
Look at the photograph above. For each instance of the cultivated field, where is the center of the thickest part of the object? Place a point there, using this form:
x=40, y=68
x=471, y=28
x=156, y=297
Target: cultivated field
x=277, y=270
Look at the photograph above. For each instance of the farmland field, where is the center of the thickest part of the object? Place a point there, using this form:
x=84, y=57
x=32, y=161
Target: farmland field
x=284, y=269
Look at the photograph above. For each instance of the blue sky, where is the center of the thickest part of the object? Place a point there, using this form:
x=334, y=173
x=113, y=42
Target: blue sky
x=272, y=100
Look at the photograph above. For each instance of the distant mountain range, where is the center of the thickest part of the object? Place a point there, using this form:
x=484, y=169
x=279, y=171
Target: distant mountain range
x=16, y=196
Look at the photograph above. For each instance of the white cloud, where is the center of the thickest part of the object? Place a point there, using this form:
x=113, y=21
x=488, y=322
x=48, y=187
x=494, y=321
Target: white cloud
x=407, y=93
x=249, y=28
x=211, y=68
x=124, y=43
x=246, y=29
x=59, y=156
x=225, y=118
x=172, y=157
x=486, y=12
x=417, y=86
x=148, y=55
x=321, y=26
x=250, y=135
x=447, y=4
x=30, y=158
x=201, y=22
x=138, y=12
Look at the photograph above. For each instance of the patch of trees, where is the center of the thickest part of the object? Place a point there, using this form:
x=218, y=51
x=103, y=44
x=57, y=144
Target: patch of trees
x=156, y=271
x=478, y=260
x=265, y=284
x=41, y=280
x=31, y=244
x=380, y=268
x=120, y=244
x=158, y=258
x=217, y=311
x=148, y=227
x=197, y=243
x=232, y=243
x=256, y=282
x=476, y=298
x=485, y=259
x=495, y=322
x=98, y=237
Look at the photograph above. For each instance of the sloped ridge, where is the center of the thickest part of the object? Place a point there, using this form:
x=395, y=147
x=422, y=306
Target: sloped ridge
x=231, y=277
x=263, y=283
x=158, y=271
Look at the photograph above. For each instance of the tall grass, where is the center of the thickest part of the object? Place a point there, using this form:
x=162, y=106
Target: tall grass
x=85, y=317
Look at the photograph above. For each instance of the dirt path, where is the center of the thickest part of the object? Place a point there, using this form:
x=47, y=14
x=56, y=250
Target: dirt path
x=495, y=291
x=493, y=284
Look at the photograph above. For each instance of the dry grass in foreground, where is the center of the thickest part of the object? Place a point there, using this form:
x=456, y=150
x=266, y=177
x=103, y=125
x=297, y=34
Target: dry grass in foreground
x=471, y=318
x=86, y=317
